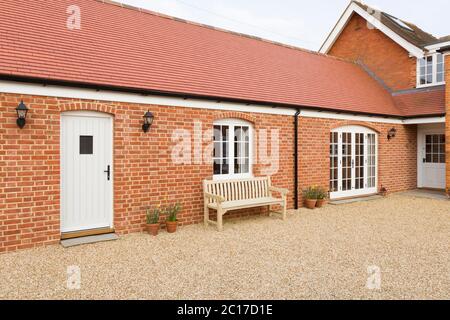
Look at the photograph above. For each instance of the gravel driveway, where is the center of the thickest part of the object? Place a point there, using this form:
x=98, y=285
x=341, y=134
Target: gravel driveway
x=320, y=254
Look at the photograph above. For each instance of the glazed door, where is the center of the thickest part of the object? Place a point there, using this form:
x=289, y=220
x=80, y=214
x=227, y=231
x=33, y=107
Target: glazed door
x=353, y=162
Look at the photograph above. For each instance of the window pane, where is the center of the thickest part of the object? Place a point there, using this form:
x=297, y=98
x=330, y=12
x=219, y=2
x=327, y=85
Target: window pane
x=440, y=77
x=237, y=133
x=246, y=134
x=225, y=167
x=225, y=133
x=86, y=145
x=217, y=150
x=217, y=133
x=217, y=166
x=422, y=71
x=440, y=58
x=422, y=63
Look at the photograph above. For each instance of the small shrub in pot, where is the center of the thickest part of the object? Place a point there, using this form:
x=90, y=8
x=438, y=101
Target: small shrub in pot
x=310, y=196
x=153, y=224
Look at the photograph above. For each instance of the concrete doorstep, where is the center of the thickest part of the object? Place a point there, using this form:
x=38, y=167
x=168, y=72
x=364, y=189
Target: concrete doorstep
x=88, y=240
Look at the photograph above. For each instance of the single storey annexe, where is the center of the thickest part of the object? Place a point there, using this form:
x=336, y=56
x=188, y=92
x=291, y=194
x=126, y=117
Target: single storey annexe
x=100, y=120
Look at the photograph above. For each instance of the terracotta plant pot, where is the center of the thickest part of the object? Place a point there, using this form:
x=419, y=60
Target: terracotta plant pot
x=153, y=229
x=171, y=226
x=310, y=203
x=321, y=202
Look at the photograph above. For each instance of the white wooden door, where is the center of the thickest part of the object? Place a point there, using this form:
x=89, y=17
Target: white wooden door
x=353, y=162
x=432, y=160
x=86, y=171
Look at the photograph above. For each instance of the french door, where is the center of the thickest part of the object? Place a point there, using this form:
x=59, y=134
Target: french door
x=353, y=162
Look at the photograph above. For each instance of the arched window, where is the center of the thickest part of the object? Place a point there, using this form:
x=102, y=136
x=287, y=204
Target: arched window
x=233, y=149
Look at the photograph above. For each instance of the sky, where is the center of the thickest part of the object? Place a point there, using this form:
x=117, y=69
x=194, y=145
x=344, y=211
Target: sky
x=302, y=23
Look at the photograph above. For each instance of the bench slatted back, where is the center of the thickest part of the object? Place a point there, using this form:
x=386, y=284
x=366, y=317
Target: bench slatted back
x=234, y=190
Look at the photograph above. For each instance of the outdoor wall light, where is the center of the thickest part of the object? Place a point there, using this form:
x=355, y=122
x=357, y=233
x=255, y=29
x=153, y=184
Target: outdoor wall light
x=22, y=111
x=392, y=133
x=148, y=121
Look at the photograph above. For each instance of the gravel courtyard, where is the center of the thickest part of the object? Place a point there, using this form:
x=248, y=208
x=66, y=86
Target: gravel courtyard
x=320, y=254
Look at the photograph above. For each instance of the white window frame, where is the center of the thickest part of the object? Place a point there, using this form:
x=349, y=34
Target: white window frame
x=354, y=192
x=434, y=72
x=232, y=123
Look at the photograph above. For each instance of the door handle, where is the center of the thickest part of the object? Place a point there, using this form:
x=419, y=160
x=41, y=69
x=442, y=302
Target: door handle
x=108, y=172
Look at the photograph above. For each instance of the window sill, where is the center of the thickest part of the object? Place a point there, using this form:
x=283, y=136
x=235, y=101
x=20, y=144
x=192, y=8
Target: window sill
x=232, y=177
x=419, y=86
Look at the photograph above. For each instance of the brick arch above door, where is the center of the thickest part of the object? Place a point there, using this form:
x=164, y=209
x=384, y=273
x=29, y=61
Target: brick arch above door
x=87, y=106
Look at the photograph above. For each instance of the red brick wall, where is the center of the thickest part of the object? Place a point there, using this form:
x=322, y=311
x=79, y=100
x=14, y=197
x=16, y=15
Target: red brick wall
x=397, y=158
x=143, y=171
x=447, y=122
x=383, y=56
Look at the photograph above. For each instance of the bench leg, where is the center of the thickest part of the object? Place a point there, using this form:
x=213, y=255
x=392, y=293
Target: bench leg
x=285, y=209
x=206, y=215
x=220, y=214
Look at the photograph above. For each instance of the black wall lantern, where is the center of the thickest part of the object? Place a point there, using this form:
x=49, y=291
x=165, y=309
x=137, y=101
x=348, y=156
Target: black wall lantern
x=148, y=121
x=22, y=111
x=392, y=133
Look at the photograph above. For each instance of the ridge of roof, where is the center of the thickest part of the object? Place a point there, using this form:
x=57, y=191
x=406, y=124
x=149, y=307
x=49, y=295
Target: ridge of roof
x=198, y=24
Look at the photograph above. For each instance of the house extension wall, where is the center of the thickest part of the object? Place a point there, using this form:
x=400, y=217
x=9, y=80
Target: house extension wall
x=144, y=174
x=447, y=122
x=385, y=58
x=397, y=158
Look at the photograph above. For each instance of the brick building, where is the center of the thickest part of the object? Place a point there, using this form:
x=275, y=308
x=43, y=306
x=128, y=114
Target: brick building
x=368, y=111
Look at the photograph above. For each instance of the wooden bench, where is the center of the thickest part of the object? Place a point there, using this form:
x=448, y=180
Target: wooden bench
x=224, y=196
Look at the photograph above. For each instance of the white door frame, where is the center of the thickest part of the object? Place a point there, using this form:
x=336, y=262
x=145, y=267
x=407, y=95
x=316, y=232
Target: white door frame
x=354, y=129
x=89, y=114
x=422, y=131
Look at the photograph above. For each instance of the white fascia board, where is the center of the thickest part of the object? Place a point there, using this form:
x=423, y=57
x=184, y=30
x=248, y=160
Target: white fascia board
x=113, y=96
x=351, y=117
x=437, y=46
x=354, y=8
x=104, y=95
x=425, y=120
x=362, y=118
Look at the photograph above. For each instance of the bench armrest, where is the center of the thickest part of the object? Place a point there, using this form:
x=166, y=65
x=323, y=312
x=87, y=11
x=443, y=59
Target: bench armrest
x=218, y=199
x=282, y=191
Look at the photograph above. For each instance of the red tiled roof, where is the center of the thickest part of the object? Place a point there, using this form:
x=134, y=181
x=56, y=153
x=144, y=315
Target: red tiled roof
x=421, y=102
x=129, y=48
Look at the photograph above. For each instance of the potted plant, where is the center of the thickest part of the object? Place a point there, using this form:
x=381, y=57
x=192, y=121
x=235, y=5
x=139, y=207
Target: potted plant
x=310, y=196
x=171, y=219
x=383, y=191
x=153, y=224
x=322, y=197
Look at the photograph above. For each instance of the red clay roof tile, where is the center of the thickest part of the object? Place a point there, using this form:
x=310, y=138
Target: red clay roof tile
x=125, y=47
x=421, y=102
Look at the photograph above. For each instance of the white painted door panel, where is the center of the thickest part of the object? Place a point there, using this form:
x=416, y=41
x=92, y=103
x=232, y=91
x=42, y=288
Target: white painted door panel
x=86, y=192
x=432, y=159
